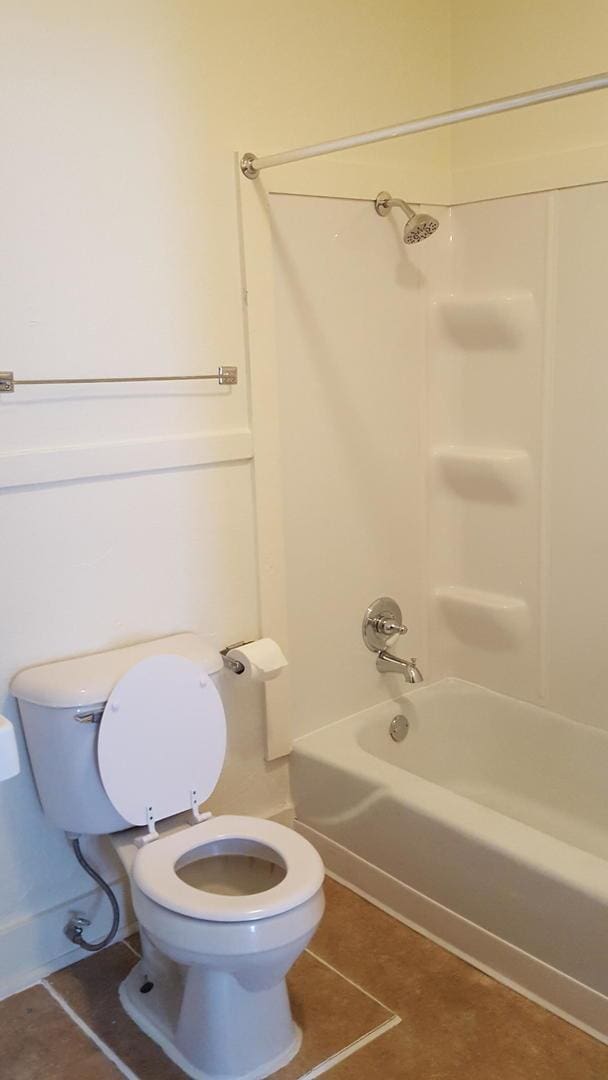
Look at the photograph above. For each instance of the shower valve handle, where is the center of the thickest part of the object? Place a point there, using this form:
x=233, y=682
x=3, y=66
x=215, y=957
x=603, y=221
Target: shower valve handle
x=389, y=628
x=381, y=622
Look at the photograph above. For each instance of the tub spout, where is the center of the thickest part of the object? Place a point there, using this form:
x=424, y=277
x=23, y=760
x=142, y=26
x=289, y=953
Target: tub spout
x=386, y=662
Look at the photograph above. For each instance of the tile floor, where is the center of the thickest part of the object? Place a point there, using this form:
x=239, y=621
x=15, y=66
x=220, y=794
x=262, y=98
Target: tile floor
x=375, y=1000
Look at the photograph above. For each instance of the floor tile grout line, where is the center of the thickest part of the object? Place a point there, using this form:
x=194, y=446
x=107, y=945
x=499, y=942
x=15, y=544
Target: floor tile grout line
x=317, y=1070
x=351, y=981
x=352, y=1048
x=131, y=948
x=320, y=960
x=88, y=1031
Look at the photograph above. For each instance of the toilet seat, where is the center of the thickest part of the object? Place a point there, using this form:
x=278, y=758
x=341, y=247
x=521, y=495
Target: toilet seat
x=154, y=870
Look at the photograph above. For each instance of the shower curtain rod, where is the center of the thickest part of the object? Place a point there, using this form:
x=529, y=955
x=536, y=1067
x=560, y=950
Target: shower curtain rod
x=251, y=165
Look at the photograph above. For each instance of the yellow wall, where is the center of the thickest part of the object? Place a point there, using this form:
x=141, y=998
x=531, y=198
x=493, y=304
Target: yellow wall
x=127, y=117
x=503, y=48
x=287, y=74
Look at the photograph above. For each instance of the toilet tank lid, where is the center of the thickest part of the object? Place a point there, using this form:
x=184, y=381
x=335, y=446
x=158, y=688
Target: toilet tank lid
x=89, y=680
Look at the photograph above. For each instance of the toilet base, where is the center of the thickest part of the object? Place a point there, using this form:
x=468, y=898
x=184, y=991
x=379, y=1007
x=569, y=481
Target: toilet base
x=157, y=1013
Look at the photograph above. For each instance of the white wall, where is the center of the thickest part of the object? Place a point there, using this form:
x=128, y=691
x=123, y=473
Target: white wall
x=129, y=513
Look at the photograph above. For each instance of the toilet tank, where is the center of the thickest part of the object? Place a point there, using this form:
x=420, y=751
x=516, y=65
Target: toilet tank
x=61, y=705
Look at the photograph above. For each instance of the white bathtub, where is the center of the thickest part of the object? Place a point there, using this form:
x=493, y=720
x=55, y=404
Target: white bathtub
x=486, y=828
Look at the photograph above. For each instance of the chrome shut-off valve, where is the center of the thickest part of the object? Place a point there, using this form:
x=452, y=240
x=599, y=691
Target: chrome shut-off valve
x=382, y=623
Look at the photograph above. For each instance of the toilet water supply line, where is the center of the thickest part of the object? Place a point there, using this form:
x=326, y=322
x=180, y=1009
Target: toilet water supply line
x=75, y=928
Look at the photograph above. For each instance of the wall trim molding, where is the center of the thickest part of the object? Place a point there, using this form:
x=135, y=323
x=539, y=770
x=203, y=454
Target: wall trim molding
x=49, y=465
x=263, y=362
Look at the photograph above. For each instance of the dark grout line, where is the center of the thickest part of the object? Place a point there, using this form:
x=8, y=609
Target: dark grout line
x=88, y=1031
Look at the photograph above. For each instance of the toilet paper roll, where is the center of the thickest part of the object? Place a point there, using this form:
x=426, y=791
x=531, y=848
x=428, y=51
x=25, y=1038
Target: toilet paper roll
x=9, y=756
x=263, y=659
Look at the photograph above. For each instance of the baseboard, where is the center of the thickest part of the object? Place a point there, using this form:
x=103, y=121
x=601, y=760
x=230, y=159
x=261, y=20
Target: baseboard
x=559, y=993
x=33, y=948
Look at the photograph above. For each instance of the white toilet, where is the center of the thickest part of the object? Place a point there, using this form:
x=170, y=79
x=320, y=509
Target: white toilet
x=225, y=904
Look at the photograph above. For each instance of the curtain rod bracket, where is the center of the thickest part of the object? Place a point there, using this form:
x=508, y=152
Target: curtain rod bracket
x=248, y=169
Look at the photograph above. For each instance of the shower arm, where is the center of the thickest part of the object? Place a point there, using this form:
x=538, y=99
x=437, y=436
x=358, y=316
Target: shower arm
x=385, y=203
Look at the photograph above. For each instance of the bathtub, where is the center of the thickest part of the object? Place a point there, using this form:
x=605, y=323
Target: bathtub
x=486, y=829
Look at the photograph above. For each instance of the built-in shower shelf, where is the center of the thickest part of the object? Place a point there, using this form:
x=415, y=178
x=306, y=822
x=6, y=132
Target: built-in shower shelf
x=483, y=474
x=486, y=620
x=482, y=321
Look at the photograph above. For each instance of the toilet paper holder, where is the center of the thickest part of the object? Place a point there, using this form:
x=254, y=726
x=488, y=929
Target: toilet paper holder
x=265, y=668
x=229, y=662
x=260, y=659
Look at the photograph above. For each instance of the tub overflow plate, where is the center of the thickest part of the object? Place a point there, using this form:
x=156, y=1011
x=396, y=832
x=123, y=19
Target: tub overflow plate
x=399, y=727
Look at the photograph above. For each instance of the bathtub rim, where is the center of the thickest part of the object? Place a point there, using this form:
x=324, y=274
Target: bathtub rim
x=563, y=861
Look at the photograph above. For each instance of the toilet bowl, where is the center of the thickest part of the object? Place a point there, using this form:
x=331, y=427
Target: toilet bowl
x=231, y=903
x=225, y=904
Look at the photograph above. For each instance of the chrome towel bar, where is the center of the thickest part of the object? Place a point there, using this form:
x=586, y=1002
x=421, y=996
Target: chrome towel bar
x=225, y=376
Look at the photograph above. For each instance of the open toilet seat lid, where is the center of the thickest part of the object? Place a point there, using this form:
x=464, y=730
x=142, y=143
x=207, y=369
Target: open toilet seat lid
x=162, y=737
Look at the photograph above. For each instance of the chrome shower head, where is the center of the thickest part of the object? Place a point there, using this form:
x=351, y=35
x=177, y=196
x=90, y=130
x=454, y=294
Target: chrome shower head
x=417, y=227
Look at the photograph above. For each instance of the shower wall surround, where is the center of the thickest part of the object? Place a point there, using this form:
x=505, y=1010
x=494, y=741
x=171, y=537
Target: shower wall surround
x=576, y=592
x=443, y=414
x=486, y=366
x=519, y=528
x=351, y=339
